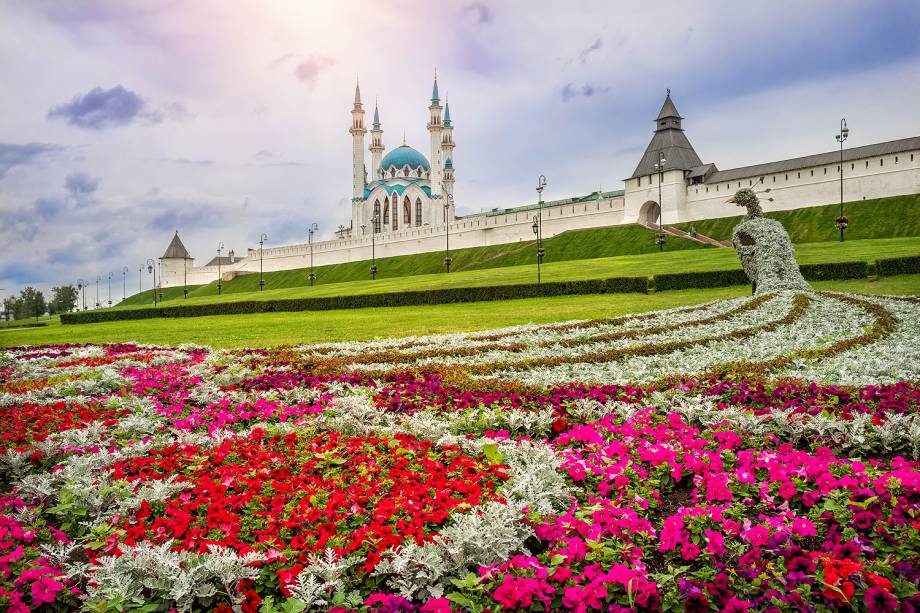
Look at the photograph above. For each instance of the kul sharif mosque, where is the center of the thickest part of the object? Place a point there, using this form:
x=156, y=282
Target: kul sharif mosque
x=403, y=189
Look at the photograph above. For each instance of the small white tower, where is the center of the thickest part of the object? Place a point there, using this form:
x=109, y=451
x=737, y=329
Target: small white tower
x=434, y=128
x=447, y=148
x=357, y=140
x=376, y=144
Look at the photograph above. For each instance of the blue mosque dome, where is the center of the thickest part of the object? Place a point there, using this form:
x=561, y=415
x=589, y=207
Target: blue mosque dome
x=402, y=156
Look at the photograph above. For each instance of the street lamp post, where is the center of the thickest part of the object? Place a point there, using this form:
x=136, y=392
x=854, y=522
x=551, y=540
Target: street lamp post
x=538, y=225
x=220, y=247
x=374, y=220
x=151, y=270
x=262, y=239
x=659, y=166
x=140, y=278
x=98, y=279
x=842, y=221
x=447, y=259
x=313, y=228
x=185, y=277
x=124, y=283
x=81, y=287
x=110, y=288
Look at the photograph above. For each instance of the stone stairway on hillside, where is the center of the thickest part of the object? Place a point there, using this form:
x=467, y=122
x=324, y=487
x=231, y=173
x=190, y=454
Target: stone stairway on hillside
x=700, y=238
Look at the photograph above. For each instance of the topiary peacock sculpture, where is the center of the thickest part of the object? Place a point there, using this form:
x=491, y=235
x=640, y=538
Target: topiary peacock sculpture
x=764, y=248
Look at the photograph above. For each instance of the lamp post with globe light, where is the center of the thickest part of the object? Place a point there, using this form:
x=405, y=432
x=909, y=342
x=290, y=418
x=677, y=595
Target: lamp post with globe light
x=81, y=287
x=110, y=288
x=262, y=239
x=374, y=221
x=220, y=247
x=152, y=271
x=842, y=221
x=310, y=231
x=447, y=259
x=538, y=224
x=659, y=166
x=124, y=283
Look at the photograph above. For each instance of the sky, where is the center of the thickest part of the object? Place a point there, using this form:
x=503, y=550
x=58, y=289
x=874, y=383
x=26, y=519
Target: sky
x=124, y=121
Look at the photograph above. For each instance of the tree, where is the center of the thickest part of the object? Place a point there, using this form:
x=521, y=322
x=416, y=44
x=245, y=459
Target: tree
x=9, y=307
x=63, y=299
x=31, y=303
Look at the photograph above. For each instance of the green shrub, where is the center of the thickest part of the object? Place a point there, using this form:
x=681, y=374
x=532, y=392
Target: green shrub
x=695, y=280
x=835, y=270
x=617, y=285
x=898, y=266
x=726, y=278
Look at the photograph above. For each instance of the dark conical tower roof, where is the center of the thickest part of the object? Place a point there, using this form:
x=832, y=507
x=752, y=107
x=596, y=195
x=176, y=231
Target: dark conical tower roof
x=669, y=139
x=668, y=109
x=176, y=249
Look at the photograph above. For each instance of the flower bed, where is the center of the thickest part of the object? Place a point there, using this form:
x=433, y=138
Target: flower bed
x=749, y=454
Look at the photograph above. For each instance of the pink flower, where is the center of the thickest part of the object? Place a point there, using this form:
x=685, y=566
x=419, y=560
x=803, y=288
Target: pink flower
x=787, y=490
x=715, y=542
x=757, y=535
x=44, y=590
x=689, y=551
x=437, y=605
x=803, y=527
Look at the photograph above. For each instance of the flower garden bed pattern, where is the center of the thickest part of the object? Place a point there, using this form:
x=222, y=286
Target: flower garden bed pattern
x=748, y=454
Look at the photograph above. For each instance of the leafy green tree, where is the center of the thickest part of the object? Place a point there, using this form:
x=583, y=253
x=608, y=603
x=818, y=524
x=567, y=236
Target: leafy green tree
x=63, y=299
x=9, y=308
x=31, y=303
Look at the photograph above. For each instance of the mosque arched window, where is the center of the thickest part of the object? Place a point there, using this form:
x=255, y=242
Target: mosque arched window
x=407, y=211
x=376, y=216
x=418, y=211
x=386, y=210
x=406, y=170
x=395, y=212
x=392, y=171
x=419, y=171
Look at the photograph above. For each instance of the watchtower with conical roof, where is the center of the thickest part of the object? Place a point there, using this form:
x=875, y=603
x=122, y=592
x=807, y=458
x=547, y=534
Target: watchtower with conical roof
x=175, y=264
x=668, y=158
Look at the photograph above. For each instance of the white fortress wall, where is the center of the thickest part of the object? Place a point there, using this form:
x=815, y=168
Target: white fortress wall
x=863, y=178
x=471, y=231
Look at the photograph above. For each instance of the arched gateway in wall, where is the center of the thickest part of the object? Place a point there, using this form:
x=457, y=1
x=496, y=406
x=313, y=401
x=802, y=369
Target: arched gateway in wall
x=649, y=213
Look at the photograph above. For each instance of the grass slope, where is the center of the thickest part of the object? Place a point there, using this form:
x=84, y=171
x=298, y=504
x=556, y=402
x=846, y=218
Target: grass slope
x=574, y=245
x=268, y=329
x=596, y=268
x=879, y=218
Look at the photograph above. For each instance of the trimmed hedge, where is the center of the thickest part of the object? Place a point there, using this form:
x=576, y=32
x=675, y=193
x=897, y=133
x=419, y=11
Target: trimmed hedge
x=835, y=270
x=617, y=285
x=898, y=266
x=694, y=280
x=726, y=278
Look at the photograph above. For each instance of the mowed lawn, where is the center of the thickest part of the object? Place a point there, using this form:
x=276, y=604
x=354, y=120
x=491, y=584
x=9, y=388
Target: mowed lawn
x=621, y=266
x=269, y=329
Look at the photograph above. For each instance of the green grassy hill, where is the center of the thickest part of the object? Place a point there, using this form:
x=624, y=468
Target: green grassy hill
x=878, y=218
x=574, y=245
x=583, y=254
x=571, y=270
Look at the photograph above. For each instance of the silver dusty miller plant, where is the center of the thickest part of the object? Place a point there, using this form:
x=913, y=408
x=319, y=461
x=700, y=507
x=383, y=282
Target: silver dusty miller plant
x=764, y=248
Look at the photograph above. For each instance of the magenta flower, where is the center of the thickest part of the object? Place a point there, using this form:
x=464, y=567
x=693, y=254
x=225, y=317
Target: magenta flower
x=757, y=536
x=878, y=600
x=45, y=590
